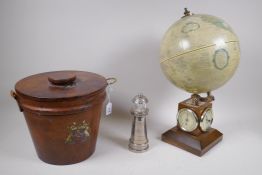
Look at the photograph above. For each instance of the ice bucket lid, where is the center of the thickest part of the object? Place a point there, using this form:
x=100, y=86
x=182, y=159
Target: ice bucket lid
x=60, y=85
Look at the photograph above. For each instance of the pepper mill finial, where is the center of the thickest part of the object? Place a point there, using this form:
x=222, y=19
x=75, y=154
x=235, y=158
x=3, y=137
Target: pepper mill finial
x=138, y=141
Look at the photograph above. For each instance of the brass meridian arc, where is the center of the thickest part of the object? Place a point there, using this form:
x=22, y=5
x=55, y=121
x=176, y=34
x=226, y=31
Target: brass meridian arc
x=200, y=48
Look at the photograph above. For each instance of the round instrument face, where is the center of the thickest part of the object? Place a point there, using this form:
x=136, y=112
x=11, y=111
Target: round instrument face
x=206, y=120
x=187, y=120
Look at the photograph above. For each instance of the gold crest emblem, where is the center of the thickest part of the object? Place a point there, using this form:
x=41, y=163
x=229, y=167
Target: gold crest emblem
x=78, y=133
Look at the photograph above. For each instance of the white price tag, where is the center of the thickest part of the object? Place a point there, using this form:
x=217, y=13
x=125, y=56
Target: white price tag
x=109, y=89
x=109, y=108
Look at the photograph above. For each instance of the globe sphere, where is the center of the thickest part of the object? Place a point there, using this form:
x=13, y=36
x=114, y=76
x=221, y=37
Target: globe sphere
x=199, y=53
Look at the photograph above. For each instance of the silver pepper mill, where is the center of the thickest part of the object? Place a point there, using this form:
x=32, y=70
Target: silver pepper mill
x=138, y=141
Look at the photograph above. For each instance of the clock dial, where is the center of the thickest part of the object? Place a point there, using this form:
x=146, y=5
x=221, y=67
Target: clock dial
x=187, y=120
x=206, y=119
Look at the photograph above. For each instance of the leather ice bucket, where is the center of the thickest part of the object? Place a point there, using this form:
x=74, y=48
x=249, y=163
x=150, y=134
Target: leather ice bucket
x=62, y=110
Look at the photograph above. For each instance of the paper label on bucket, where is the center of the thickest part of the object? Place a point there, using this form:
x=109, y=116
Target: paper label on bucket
x=109, y=108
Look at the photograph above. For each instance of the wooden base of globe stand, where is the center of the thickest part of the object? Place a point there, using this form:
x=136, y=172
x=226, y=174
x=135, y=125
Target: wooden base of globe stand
x=196, y=142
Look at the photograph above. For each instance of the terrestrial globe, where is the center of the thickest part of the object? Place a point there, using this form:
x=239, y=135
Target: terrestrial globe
x=199, y=53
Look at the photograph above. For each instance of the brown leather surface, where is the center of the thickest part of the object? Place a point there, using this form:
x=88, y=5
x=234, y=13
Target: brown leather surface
x=39, y=87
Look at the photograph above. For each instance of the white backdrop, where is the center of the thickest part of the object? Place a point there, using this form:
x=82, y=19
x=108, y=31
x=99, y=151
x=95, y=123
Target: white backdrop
x=122, y=39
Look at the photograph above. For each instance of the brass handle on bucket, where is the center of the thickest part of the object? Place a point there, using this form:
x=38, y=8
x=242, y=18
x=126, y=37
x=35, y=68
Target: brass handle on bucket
x=111, y=80
x=14, y=95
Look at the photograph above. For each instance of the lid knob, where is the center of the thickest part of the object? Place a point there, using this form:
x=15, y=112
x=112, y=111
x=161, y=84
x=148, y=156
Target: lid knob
x=62, y=79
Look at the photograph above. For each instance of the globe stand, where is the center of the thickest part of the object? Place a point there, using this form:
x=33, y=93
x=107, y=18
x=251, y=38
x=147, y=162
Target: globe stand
x=196, y=142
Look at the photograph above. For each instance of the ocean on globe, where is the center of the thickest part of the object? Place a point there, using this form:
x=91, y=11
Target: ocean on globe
x=199, y=53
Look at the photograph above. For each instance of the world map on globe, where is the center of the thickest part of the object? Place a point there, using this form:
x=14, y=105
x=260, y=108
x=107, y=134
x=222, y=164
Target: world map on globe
x=199, y=53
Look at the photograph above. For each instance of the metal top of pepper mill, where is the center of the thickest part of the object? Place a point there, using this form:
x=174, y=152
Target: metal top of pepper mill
x=139, y=105
x=140, y=98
